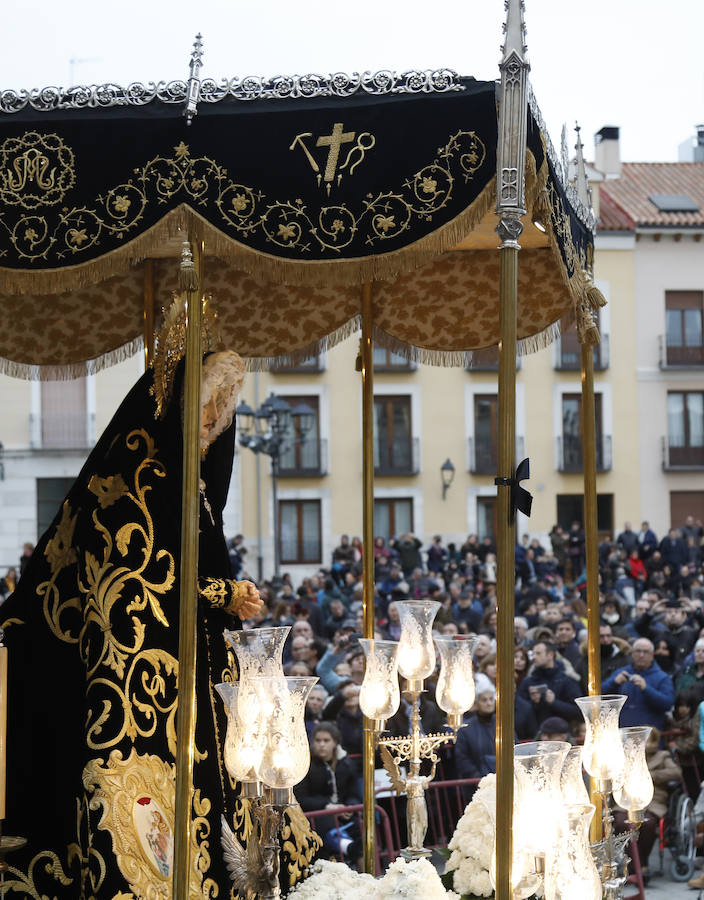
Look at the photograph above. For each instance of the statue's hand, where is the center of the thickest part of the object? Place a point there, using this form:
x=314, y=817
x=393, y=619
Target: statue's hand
x=246, y=601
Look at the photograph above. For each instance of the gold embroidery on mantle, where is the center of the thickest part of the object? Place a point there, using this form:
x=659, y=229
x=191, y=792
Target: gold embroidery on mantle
x=136, y=796
x=35, y=170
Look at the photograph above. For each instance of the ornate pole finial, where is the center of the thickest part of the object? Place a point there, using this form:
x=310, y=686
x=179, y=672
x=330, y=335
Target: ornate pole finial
x=515, y=30
x=513, y=115
x=582, y=184
x=193, y=95
x=564, y=154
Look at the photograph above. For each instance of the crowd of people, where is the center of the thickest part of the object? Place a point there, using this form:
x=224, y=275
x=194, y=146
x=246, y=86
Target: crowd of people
x=651, y=641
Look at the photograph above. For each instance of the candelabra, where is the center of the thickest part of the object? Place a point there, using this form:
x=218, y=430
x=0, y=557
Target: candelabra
x=413, y=657
x=266, y=749
x=615, y=759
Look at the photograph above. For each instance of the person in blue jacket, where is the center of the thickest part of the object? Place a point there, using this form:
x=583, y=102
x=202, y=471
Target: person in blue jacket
x=649, y=690
x=475, y=750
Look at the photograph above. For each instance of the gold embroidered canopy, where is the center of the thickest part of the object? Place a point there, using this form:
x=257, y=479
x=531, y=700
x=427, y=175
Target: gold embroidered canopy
x=299, y=202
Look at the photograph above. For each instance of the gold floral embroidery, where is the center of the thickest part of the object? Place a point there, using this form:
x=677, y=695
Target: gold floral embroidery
x=299, y=841
x=58, y=551
x=108, y=490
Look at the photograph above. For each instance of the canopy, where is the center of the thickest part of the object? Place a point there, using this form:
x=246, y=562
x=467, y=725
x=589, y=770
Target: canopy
x=299, y=199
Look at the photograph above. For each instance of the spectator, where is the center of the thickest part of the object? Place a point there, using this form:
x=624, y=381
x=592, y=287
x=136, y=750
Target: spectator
x=475, y=750
x=408, y=547
x=314, y=708
x=343, y=556
x=27, y=551
x=554, y=728
x=237, y=552
x=521, y=664
x=7, y=584
x=566, y=642
x=488, y=668
x=437, y=555
x=331, y=783
x=467, y=610
x=548, y=688
x=692, y=676
x=673, y=550
x=482, y=648
x=575, y=550
x=627, y=540
x=647, y=541
x=648, y=689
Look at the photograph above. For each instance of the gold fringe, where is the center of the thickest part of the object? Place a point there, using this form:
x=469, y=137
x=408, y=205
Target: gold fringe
x=594, y=297
x=296, y=357
x=183, y=219
x=71, y=371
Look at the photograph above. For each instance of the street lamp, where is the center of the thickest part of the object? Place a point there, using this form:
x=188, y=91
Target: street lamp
x=447, y=471
x=269, y=430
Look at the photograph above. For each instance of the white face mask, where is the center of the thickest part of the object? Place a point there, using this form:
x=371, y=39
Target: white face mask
x=611, y=618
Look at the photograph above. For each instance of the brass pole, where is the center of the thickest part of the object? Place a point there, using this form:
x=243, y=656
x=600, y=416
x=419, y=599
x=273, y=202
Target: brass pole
x=148, y=312
x=190, y=514
x=367, y=352
x=590, y=534
x=506, y=577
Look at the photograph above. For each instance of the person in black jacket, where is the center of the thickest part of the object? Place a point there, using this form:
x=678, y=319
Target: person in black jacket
x=475, y=750
x=548, y=688
x=331, y=782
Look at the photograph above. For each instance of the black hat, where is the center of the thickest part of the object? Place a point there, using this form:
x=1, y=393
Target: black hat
x=554, y=725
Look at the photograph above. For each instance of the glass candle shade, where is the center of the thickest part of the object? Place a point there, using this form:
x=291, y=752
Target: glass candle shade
x=258, y=650
x=285, y=750
x=537, y=794
x=602, y=753
x=635, y=789
x=524, y=879
x=574, y=790
x=416, y=652
x=454, y=693
x=570, y=872
x=380, y=696
x=242, y=750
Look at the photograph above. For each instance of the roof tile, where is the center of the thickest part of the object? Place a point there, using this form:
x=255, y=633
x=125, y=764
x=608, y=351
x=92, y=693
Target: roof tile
x=625, y=198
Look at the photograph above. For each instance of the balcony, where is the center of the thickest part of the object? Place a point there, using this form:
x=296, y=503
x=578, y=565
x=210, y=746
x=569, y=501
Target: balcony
x=487, y=360
x=310, y=461
x=308, y=367
x=61, y=430
x=570, y=355
x=404, y=458
x=483, y=455
x=672, y=357
x=681, y=459
x=570, y=454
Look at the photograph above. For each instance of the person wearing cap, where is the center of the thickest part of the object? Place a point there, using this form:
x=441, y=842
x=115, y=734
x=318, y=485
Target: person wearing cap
x=554, y=728
x=649, y=690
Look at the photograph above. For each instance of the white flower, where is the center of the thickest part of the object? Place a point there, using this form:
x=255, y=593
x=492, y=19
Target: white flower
x=472, y=843
x=402, y=881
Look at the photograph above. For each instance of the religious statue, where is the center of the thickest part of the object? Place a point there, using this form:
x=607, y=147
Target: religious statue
x=92, y=635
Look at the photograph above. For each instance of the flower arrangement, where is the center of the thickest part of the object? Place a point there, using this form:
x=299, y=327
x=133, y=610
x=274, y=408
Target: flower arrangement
x=402, y=881
x=472, y=843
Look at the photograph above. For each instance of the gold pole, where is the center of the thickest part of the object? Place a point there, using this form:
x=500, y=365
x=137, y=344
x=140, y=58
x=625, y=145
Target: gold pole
x=506, y=577
x=590, y=533
x=367, y=350
x=148, y=312
x=190, y=509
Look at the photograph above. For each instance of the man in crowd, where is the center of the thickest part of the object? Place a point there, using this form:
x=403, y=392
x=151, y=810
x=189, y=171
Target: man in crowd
x=548, y=688
x=649, y=690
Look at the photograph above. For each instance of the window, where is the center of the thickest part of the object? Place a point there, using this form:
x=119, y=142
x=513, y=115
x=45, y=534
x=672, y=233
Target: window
x=64, y=423
x=486, y=433
x=686, y=503
x=683, y=322
x=386, y=360
x=685, y=427
x=300, y=453
x=486, y=517
x=50, y=496
x=571, y=449
x=393, y=445
x=570, y=358
x=570, y=508
x=299, y=531
x=392, y=517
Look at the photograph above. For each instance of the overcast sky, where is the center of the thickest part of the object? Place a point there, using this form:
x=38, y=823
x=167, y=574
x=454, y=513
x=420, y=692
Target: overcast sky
x=634, y=63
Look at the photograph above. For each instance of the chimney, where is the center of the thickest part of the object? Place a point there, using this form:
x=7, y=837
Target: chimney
x=607, y=152
x=692, y=150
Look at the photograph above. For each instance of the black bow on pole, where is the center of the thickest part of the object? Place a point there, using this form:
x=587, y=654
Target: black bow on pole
x=520, y=498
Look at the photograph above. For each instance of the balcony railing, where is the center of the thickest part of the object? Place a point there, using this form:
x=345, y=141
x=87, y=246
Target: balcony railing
x=483, y=455
x=570, y=454
x=681, y=458
x=312, y=461
x=404, y=459
x=61, y=430
x=488, y=361
x=569, y=357
x=680, y=357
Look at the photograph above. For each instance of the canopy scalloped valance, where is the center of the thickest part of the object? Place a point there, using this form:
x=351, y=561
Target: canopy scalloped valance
x=298, y=202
